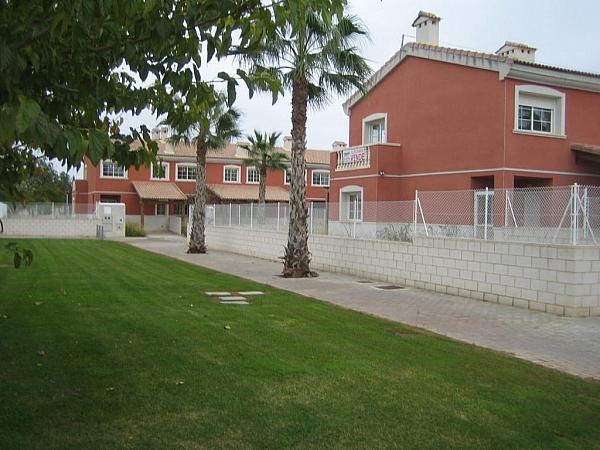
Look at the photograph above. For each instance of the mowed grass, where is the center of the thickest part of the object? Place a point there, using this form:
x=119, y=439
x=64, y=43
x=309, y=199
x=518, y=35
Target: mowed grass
x=136, y=356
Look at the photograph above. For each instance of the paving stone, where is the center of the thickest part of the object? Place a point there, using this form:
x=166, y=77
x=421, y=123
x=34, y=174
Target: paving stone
x=234, y=302
x=251, y=293
x=217, y=293
x=232, y=298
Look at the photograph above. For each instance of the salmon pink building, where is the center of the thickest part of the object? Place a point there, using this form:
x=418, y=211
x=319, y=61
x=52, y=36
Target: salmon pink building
x=436, y=118
x=158, y=197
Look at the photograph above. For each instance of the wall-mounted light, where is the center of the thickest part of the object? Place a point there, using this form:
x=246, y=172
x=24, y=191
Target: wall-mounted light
x=381, y=173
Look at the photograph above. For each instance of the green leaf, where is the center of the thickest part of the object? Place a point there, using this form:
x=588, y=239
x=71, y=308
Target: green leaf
x=75, y=141
x=28, y=257
x=17, y=260
x=98, y=145
x=231, y=83
x=28, y=112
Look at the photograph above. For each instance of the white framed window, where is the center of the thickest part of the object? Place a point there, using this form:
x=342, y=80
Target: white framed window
x=110, y=169
x=161, y=209
x=539, y=110
x=375, y=129
x=185, y=172
x=159, y=171
x=320, y=178
x=287, y=176
x=231, y=174
x=533, y=118
x=252, y=175
x=351, y=204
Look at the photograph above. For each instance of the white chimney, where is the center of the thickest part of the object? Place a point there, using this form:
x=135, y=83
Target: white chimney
x=338, y=145
x=515, y=50
x=287, y=142
x=428, y=28
x=160, y=133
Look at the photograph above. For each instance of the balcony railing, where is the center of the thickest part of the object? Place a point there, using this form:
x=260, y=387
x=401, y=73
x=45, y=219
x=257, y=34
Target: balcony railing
x=354, y=158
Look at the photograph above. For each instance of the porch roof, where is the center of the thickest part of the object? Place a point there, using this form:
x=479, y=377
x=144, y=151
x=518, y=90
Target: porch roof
x=149, y=190
x=248, y=192
x=587, y=152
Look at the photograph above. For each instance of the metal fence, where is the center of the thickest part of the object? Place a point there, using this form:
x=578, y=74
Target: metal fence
x=46, y=210
x=565, y=215
x=268, y=217
x=561, y=215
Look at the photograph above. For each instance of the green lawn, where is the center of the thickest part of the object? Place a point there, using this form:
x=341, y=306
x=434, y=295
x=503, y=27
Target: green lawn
x=136, y=356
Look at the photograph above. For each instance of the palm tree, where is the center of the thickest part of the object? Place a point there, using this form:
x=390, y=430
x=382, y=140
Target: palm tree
x=208, y=128
x=263, y=156
x=317, y=59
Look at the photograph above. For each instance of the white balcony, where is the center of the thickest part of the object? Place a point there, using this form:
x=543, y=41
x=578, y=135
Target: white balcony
x=353, y=158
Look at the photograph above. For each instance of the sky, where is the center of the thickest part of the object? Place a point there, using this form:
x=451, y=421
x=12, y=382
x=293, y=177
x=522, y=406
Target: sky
x=565, y=33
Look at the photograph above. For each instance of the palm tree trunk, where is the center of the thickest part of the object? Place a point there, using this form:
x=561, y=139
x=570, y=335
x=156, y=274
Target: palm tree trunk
x=262, y=194
x=197, y=239
x=296, y=260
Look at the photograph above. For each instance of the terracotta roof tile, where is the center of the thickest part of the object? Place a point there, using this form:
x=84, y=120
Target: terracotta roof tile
x=230, y=151
x=148, y=190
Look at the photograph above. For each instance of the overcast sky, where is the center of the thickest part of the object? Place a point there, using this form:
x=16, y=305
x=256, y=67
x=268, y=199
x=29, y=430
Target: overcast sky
x=566, y=34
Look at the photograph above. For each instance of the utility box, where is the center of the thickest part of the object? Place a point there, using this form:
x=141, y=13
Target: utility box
x=111, y=217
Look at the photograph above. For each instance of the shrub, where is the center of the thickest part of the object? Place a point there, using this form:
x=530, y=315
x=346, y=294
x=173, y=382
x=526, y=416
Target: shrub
x=134, y=230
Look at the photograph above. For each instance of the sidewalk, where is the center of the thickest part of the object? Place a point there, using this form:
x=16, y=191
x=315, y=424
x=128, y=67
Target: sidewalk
x=568, y=344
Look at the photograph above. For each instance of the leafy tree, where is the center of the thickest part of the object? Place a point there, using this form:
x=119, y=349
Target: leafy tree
x=69, y=69
x=317, y=56
x=44, y=185
x=209, y=126
x=263, y=156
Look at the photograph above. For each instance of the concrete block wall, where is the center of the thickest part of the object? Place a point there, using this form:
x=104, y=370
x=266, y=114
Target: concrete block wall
x=563, y=280
x=40, y=227
x=151, y=223
x=175, y=224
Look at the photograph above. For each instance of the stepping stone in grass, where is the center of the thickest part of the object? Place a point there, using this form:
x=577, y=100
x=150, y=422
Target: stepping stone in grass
x=234, y=302
x=232, y=298
x=217, y=293
x=251, y=293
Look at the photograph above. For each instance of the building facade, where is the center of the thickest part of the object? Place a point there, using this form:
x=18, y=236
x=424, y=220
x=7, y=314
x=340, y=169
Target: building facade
x=436, y=118
x=158, y=195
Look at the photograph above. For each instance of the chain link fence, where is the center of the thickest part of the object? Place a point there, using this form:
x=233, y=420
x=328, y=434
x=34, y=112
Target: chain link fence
x=49, y=210
x=561, y=215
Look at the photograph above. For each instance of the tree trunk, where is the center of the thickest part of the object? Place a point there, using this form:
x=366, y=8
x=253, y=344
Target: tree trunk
x=296, y=260
x=262, y=194
x=197, y=239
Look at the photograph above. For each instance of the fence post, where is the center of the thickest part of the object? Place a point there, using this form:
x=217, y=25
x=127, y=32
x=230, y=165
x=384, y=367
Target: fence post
x=277, y=216
x=239, y=214
x=311, y=217
x=354, y=223
x=53, y=210
x=506, y=208
x=415, y=212
x=574, y=213
x=485, y=220
x=585, y=206
x=251, y=213
x=214, y=214
x=230, y=214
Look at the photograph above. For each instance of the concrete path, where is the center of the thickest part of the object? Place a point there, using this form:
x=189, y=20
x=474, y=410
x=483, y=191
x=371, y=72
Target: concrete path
x=568, y=344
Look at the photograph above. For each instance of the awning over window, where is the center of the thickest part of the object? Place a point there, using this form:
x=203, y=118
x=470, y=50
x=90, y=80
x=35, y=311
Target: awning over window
x=587, y=152
x=248, y=192
x=148, y=190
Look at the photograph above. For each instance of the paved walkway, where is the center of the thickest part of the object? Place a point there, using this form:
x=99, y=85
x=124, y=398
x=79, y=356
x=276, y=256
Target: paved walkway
x=564, y=343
